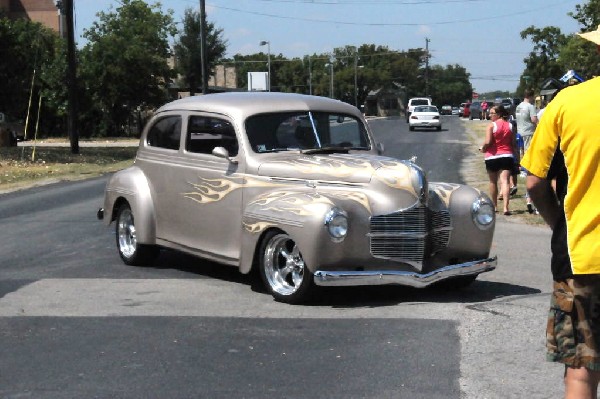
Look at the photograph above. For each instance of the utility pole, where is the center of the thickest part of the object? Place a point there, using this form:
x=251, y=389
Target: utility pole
x=203, y=46
x=309, y=75
x=73, y=114
x=427, y=67
x=356, y=79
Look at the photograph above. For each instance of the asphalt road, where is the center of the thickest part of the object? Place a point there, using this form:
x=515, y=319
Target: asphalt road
x=76, y=322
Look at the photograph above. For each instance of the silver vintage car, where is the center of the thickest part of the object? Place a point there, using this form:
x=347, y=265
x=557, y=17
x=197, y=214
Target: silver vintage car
x=296, y=187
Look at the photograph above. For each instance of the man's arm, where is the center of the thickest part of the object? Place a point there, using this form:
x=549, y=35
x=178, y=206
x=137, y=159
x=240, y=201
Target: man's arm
x=533, y=116
x=534, y=120
x=544, y=198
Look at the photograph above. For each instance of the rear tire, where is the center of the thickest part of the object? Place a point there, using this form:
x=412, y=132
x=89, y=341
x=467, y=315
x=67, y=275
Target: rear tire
x=131, y=252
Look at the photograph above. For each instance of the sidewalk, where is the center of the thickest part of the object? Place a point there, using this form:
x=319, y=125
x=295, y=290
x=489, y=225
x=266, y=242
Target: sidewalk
x=86, y=143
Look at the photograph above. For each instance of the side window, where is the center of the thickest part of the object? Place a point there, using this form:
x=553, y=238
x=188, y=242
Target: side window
x=204, y=133
x=165, y=133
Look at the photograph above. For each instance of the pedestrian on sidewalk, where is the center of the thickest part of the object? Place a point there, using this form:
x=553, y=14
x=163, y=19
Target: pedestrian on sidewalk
x=527, y=120
x=484, y=110
x=498, y=148
x=569, y=126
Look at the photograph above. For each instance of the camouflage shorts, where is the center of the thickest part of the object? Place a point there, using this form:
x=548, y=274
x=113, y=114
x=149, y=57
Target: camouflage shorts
x=573, y=333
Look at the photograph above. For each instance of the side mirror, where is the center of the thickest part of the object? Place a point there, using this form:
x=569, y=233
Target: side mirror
x=380, y=148
x=221, y=152
x=340, y=119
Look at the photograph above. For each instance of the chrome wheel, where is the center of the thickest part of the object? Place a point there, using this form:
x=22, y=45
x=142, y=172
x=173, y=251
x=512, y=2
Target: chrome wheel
x=130, y=251
x=126, y=238
x=283, y=269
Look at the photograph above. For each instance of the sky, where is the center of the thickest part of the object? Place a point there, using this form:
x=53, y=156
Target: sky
x=483, y=36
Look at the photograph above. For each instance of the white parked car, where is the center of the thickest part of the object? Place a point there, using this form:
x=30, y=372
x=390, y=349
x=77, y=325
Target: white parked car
x=425, y=116
x=414, y=102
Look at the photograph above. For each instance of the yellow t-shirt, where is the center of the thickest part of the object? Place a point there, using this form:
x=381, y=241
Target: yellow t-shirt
x=573, y=116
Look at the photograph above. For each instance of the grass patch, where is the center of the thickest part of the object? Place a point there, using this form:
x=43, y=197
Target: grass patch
x=17, y=169
x=476, y=175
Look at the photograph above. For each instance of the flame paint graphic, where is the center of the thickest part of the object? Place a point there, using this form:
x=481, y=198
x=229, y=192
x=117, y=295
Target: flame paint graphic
x=444, y=190
x=357, y=197
x=398, y=177
x=394, y=174
x=257, y=227
x=329, y=166
x=301, y=204
x=212, y=190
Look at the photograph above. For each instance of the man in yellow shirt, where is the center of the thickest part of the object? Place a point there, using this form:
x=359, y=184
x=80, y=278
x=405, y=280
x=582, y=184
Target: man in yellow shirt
x=566, y=146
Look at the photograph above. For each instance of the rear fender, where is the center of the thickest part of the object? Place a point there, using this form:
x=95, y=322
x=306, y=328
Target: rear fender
x=131, y=185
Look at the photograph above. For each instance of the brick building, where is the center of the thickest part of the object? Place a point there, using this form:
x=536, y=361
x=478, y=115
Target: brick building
x=45, y=12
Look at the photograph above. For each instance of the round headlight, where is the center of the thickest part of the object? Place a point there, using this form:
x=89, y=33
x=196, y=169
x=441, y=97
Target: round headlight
x=483, y=213
x=336, y=221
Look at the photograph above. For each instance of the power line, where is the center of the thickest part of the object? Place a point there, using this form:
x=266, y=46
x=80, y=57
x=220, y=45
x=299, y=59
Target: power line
x=362, y=2
x=458, y=21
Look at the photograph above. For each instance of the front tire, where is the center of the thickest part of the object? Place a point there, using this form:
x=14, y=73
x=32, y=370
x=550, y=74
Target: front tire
x=283, y=270
x=131, y=252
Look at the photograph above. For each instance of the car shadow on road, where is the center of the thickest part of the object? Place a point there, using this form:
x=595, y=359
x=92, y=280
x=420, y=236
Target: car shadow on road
x=389, y=295
x=346, y=297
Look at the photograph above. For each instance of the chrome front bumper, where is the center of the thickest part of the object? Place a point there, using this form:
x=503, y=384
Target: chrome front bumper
x=412, y=279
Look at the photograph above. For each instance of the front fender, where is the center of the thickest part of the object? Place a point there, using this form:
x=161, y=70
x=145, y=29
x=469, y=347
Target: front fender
x=301, y=213
x=467, y=237
x=132, y=186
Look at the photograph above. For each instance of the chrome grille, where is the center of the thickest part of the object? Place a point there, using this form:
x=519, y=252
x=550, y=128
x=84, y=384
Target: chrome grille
x=411, y=235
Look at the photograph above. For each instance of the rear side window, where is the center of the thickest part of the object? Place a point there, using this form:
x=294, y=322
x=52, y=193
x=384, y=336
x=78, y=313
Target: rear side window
x=165, y=133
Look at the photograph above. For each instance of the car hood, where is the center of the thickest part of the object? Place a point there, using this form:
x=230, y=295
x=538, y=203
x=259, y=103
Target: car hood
x=347, y=168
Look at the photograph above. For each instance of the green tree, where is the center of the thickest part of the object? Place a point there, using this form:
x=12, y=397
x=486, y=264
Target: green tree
x=54, y=91
x=542, y=62
x=587, y=14
x=251, y=63
x=449, y=84
x=125, y=63
x=580, y=54
x=554, y=53
x=365, y=68
x=188, y=49
x=292, y=75
x=26, y=46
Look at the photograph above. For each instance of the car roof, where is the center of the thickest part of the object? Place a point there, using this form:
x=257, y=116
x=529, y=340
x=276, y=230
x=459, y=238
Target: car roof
x=419, y=99
x=243, y=104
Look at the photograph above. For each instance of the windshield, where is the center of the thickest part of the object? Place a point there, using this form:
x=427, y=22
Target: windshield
x=419, y=102
x=304, y=131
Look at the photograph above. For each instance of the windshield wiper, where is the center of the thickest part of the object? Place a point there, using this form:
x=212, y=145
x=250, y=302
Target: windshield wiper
x=328, y=150
x=280, y=149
